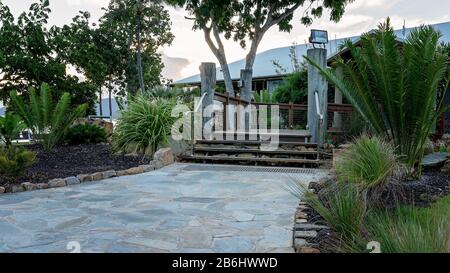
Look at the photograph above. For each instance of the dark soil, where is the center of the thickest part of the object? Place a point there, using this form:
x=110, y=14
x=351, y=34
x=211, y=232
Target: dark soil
x=421, y=193
x=65, y=161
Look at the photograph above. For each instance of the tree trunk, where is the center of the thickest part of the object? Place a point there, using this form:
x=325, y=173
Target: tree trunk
x=110, y=103
x=139, y=56
x=100, y=102
x=130, y=85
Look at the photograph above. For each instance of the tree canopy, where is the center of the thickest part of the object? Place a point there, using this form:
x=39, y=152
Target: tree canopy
x=246, y=20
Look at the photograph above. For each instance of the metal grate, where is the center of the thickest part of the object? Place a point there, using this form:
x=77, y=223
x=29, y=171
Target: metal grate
x=229, y=168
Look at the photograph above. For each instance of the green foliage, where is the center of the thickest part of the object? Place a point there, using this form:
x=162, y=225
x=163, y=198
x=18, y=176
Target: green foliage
x=264, y=97
x=29, y=55
x=137, y=28
x=412, y=230
x=343, y=206
x=395, y=89
x=294, y=88
x=48, y=121
x=144, y=125
x=15, y=160
x=368, y=162
x=86, y=134
x=10, y=128
x=178, y=94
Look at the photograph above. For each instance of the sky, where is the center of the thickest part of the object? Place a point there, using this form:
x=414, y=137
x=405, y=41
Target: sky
x=183, y=57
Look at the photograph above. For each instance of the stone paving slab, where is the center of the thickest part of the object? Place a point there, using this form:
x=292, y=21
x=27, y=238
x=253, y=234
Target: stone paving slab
x=169, y=210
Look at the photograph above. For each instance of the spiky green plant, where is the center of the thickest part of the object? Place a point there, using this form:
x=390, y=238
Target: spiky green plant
x=396, y=88
x=48, y=121
x=144, y=124
x=368, y=163
x=10, y=127
x=343, y=206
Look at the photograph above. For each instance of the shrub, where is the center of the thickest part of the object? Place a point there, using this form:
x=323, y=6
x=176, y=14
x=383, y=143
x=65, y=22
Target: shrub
x=144, y=125
x=14, y=161
x=10, y=128
x=412, y=230
x=368, y=162
x=293, y=89
x=398, y=90
x=343, y=207
x=47, y=121
x=86, y=134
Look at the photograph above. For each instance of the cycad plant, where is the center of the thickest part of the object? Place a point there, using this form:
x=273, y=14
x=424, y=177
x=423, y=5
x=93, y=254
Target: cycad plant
x=398, y=88
x=48, y=121
x=10, y=127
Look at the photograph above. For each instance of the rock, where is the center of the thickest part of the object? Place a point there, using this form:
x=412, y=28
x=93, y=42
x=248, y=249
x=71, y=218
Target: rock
x=57, y=183
x=300, y=215
x=305, y=234
x=41, y=186
x=298, y=243
x=28, y=186
x=308, y=250
x=147, y=168
x=2, y=190
x=435, y=159
x=165, y=156
x=108, y=126
x=85, y=177
x=304, y=226
x=97, y=176
x=301, y=221
x=156, y=164
x=72, y=181
x=135, y=170
x=109, y=174
x=121, y=173
x=17, y=188
x=446, y=168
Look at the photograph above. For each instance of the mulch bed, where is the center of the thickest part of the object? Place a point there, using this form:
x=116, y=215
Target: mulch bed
x=421, y=193
x=65, y=161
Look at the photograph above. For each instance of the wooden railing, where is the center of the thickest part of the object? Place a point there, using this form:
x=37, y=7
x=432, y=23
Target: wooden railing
x=294, y=116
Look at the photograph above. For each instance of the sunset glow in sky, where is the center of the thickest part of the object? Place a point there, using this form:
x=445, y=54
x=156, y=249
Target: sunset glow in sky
x=189, y=49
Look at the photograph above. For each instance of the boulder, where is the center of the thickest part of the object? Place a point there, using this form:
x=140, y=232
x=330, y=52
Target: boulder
x=17, y=188
x=57, y=183
x=308, y=250
x=147, y=168
x=97, y=176
x=28, y=186
x=2, y=190
x=72, y=181
x=84, y=177
x=133, y=171
x=41, y=186
x=109, y=174
x=164, y=156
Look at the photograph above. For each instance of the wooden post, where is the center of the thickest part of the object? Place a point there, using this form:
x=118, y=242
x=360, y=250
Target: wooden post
x=208, y=82
x=317, y=83
x=337, y=120
x=291, y=116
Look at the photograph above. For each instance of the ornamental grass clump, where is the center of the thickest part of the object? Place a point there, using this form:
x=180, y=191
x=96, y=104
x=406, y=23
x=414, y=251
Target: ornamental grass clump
x=14, y=161
x=145, y=124
x=368, y=163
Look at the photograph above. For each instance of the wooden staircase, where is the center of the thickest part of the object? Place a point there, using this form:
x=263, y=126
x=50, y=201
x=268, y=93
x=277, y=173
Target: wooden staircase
x=294, y=150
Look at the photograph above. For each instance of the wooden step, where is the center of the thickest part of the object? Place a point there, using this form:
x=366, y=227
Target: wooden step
x=252, y=151
x=252, y=142
x=254, y=159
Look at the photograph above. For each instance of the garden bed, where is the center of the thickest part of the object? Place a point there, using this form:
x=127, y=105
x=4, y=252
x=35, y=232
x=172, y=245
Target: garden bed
x=65, y=161
x=423, y=192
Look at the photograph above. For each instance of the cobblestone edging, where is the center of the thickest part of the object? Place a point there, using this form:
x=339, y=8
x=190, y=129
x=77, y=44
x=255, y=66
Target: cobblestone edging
x=163, y=158
x=305, y=231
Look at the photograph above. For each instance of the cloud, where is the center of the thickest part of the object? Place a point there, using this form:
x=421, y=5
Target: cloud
x=173, y=67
